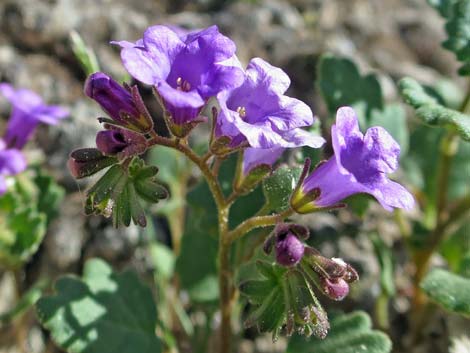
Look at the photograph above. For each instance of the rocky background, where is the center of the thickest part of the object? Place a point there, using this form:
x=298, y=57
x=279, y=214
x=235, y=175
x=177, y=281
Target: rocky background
x=395, y=38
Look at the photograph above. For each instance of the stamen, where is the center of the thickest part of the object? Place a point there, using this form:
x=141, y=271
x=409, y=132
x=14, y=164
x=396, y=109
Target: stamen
x=241, y=111
x=182, y=85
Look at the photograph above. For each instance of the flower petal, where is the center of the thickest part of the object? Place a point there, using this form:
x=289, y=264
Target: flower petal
x=182, y=106
x=293, y=113
x=299, y=137
x=382, y=150
x=12, y=162
x=267, y=76
x=391, y=194
x=149, y=59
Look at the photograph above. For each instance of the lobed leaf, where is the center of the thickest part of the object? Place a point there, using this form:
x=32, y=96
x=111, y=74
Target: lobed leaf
x=430, y=111
x=449, y=290
x=457, y=16
x=102, y=312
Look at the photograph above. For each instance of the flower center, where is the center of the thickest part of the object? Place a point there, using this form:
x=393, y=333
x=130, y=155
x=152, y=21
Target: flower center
x=242, y=112
x=182, y=85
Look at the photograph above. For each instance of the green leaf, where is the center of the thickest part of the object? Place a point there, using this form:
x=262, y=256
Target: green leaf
x=385, y=257
x=100, y=313
x=430, y=111
x=21, y=235
x=341, y=83
x=449, y=290
x=50, y=195
x=84, y=54
x=163, y=259
x=278, y=187
x=444, y=7
x=349, y=333
x=196, y=263
x=457, y=15
x=456, y=247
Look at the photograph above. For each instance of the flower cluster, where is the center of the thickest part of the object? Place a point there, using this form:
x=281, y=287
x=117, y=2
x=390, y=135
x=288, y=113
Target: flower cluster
x=186, y=69
x=28, y=110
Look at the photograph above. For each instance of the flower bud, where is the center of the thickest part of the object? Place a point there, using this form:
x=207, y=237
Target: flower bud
x=120, y=142
x=124, y=106
x=289, y=249
x=331, y=276
x=336, y=289
x=287, y=238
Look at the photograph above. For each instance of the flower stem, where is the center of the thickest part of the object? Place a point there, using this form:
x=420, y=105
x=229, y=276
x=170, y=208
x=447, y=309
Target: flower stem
x=257, y=222
x=422, y=257
x=225, y=276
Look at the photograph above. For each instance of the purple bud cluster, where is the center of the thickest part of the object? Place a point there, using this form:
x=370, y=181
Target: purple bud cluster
x=27, y=112
x=331, y=276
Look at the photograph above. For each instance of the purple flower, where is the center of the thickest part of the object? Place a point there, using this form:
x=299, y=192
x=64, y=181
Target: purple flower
x=120, y=142
x=259, y=114
x=12, y=162
x=186, y=70
x=360, y=165
x=123, y=105
x=27, y=112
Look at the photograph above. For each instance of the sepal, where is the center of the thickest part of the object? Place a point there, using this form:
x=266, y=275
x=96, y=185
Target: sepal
x=284, y=302
x=85, y=162
x=117, y=193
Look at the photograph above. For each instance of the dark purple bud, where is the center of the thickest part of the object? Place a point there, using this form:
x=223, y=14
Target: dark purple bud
x=289, y=249
x=88, y=161
x=110, y=142
x=123, y=105
x=336, y=289
x=120, y=142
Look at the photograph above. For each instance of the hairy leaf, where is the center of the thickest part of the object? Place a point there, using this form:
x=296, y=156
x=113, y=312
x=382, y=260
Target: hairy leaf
x=457, y=16
x=101, y=312
x=279, y=186
x=430, y=111
x=449, y=290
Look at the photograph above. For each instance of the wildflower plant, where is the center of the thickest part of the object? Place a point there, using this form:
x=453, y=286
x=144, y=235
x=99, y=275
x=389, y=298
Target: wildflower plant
x=240, y=248
x=197, y=79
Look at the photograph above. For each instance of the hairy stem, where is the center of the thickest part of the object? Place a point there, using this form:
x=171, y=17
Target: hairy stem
x=225, y=277
x=257, y=222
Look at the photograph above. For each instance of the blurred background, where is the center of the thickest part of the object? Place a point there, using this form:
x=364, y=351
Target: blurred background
x=393, y=38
